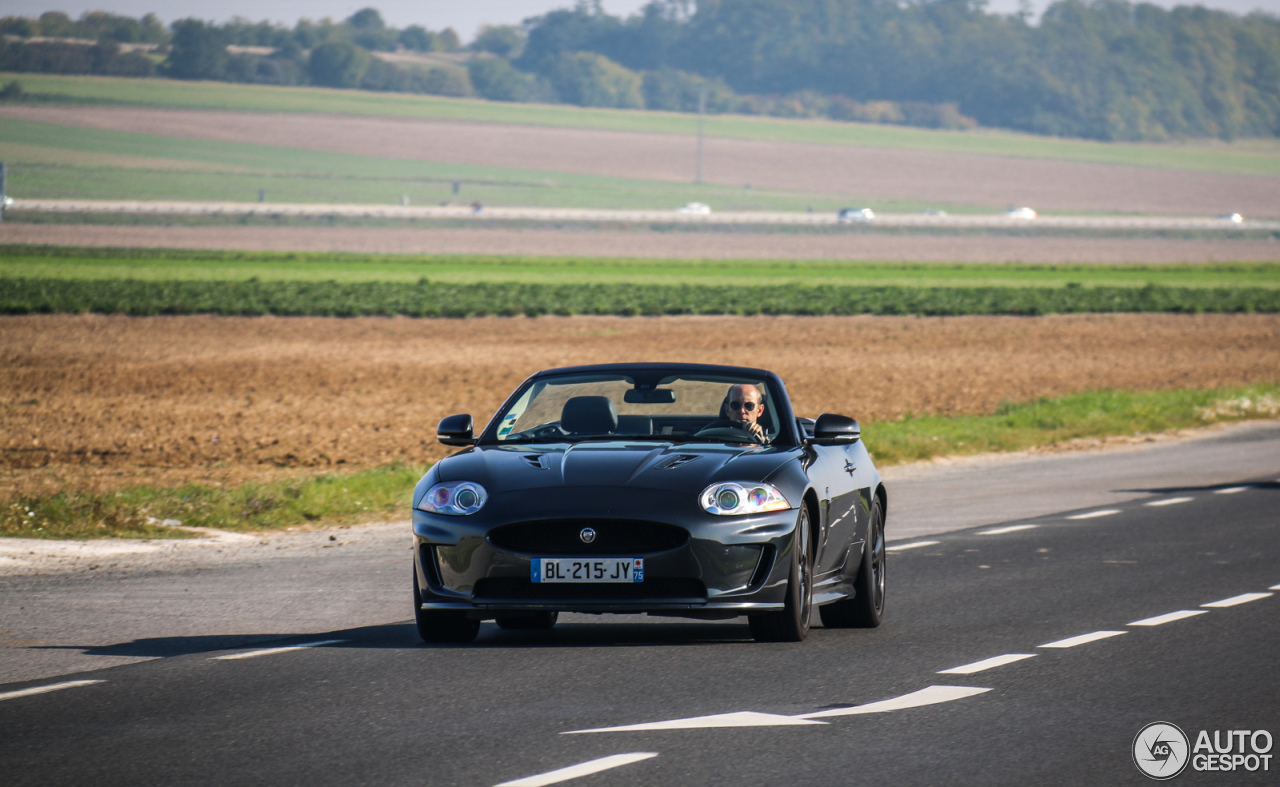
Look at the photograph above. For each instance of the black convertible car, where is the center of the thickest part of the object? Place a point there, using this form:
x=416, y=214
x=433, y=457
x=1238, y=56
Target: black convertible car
x=685, y=490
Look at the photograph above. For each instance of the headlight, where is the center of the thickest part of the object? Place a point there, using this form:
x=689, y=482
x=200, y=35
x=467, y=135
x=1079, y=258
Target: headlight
x=732, y=498
x=456, y=498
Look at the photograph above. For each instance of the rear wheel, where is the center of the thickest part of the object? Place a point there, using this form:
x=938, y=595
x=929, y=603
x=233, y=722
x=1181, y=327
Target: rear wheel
x=527, y=621
x=866, y=608
x=792, y=623
x=441, y=625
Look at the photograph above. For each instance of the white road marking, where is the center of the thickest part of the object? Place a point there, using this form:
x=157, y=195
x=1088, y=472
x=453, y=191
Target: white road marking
x=1231, y=490
x=1243, y=598
x=1160, y=620
x=582, y=769
x=1169, y=501
x=270, y=651
x=912, y=545
x=1083, y=639
x=1000, y=531
x=930, y=696
x=1095, y=514
x=986, y=664
x=1274, y=587
x=740, y=719
x=71, y=684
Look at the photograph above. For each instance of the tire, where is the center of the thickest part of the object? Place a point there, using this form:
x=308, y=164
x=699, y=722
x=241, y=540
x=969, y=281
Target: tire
x=792, y=623
x=441, y=625
x=527, y=621
x=866, y=608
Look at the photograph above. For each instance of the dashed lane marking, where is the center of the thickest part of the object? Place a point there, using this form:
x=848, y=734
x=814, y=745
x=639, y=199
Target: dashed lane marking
x=1169, y=501
x=1243, y=598
x=1231, y=490
x=71, y=684
x=1096, y=514
x=1083, y=639
x=580, y=770
x=986, y=664
x=1274, y=587
x=1000, y=531
x=1160, y=620
x=271, y=651
x=739, y=719
x=932, y=695
x=912, y=545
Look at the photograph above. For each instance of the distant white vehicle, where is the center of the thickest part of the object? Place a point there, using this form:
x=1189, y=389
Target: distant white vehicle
x=8, y=201
x=850, y=215
x=1020, y=213
x=933, y=212
x=694, y=207
x=1234, y=218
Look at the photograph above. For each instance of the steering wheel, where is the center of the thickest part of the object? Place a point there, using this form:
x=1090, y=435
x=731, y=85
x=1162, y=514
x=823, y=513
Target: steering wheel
x=732, y=433
x=544, y=431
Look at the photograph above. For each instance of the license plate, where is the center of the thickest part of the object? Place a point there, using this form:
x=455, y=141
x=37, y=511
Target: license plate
x=569, y=569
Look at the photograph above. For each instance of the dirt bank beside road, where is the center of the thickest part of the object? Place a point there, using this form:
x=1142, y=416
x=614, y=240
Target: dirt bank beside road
x=94, y=402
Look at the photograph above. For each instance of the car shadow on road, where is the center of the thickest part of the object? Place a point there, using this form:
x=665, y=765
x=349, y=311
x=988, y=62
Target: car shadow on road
x=1214, y=488
x=404, y=635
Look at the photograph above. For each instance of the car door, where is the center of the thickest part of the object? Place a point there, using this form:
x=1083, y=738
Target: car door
x=833, y=471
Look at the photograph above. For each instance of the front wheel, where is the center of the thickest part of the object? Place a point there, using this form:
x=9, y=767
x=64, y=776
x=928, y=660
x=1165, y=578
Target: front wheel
x=866, y=608
x=792, y=623
x=435, y=625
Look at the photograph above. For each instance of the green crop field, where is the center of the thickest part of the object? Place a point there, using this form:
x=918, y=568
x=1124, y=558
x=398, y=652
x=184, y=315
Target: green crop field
x=159, y=265
x=49, y=161
x=1250, y=158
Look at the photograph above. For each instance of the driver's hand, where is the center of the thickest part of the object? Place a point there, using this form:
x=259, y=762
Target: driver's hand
x=755, y=431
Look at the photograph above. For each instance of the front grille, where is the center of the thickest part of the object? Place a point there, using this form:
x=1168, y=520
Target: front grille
x=561, y=537
x=657, y=589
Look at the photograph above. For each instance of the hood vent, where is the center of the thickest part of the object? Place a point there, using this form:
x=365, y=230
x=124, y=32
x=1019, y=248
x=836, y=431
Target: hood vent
x=538, y=461
x=679, y=460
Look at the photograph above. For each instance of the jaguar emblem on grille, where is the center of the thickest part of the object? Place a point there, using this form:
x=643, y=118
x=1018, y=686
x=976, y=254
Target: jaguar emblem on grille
x=587, y=534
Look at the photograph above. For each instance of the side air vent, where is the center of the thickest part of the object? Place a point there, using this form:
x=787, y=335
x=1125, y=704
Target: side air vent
x=538, y=461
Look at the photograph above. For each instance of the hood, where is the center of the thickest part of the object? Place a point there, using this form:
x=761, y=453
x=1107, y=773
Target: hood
x=639, y=465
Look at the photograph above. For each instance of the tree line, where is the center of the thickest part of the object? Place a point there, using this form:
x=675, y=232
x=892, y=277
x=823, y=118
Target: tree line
x=1100, y=69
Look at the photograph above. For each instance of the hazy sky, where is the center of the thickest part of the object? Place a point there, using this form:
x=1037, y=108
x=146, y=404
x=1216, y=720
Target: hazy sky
x=464, y=16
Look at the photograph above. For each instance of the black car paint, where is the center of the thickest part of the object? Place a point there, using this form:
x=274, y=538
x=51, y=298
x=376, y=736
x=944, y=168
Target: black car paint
x=741, y=561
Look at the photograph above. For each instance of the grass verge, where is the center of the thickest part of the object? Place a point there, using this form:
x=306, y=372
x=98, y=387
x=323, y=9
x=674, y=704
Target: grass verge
x=1047, y=422
x=384, y=492
x=141, y=511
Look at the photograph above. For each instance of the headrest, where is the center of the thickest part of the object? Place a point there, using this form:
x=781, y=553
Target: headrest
x=589, y=415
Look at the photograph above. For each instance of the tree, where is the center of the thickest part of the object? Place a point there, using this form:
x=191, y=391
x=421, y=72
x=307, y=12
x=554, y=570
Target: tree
x=494, y=78
x=338, y=64
x=591, y=80
x=199, y=51
x=506, y=41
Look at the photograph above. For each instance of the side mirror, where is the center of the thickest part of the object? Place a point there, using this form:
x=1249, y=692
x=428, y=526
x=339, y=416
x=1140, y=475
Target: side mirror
x=455, y=430
x=834, y=429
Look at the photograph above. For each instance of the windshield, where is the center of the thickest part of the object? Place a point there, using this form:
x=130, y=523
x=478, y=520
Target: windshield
x=617, y=406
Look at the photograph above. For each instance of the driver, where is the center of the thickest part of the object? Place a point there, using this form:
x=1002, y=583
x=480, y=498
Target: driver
x=742, y=408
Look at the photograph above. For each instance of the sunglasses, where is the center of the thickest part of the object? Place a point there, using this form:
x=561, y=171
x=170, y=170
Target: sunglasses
x=744, y=406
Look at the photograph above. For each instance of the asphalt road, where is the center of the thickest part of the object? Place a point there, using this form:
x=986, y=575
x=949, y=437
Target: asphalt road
x=373, y=705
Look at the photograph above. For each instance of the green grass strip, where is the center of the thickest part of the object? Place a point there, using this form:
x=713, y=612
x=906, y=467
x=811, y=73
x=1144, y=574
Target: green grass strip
x=53, y=262
x=138, y=512
x=384, y=492
x=1051, y=421
x=426, y=299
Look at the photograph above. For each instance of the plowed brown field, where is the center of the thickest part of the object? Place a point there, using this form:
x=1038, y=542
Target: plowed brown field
x=96, y=403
